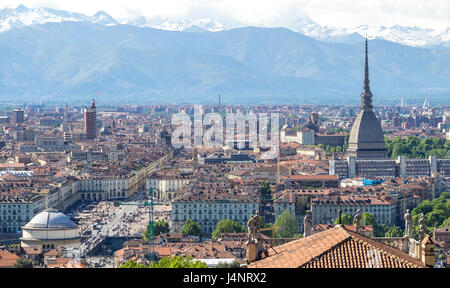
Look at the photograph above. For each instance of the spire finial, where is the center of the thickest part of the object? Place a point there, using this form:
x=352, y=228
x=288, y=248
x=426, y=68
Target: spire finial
x=366, y=72
x=366, y=95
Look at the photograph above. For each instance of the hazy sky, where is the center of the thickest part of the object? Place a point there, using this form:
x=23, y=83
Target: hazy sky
x=339, y=13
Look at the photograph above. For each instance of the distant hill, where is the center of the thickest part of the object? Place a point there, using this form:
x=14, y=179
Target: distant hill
x=67, y=61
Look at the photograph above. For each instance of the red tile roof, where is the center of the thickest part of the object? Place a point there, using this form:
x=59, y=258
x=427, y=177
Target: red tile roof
x=7, y=259
x=336, y=248
x=312, y=177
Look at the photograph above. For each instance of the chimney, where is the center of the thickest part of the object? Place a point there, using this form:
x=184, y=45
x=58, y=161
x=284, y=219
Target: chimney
x=427, y=256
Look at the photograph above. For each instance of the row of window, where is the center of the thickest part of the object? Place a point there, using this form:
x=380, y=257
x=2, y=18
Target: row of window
x=175, y=206
x=20, y=206
x=210, y=211
x=243, y=218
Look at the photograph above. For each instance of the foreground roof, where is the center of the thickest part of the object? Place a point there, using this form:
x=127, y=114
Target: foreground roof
x=336, y=248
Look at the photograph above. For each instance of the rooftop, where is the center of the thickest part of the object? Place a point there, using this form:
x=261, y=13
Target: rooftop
x=50, y=219
x=336, y=248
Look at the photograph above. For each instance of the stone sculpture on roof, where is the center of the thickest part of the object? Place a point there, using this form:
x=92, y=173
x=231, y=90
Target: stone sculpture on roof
x=253, y=226
x=408, y=224
x=307, y=224
x=357, y=221
x=422, y=227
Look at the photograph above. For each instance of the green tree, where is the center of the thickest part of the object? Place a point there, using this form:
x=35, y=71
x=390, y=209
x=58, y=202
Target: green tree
x=398, y=149
x=265, y=190
x=346, y=219
x=23, y=263
x=345, y=147
x=435, y=218
x=227, y=226
x=234, y=264
x=436, y=212
x=161, y=226
x=263, y=224
x=368, y=219
x=440, y=153
x=132, y=264
x=394, y=231
x=424, y=207
x=178, y=262
x=380, y=230
x=445, y=196
x=191, y=228
x=413, y=147
x=285, y=225
x=446, y=223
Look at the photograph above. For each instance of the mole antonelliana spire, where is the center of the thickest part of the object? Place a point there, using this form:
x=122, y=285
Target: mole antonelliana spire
x=366, y=95
x=366, y=138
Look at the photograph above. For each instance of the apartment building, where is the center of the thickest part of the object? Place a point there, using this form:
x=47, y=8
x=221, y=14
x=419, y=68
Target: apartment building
x=15, y=212
x=390, y=168
x=325, y=210
x=208, y=203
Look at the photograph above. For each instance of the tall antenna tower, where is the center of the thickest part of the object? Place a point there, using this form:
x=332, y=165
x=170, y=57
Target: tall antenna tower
x=426, y=104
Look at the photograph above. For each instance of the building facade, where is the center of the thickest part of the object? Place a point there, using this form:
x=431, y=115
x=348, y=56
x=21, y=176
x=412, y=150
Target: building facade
x=209, y=213
x=325, y=210
x=389, y=168
x=90, y=122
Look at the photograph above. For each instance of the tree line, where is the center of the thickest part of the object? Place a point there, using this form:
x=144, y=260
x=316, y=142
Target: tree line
x=414, y=147
x=411, y=147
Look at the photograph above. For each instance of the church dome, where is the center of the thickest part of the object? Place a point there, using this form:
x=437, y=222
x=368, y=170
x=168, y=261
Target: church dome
x=51, y=219
x=366, y=129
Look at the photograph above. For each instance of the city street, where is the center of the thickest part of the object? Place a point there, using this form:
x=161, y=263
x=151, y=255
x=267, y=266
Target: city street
x=129, y=219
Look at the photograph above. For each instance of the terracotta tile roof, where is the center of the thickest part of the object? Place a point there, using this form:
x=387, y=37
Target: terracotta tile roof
x=50, y=253
x=65, y=262
x=165, y=251
x=322, y=227
x=208, y=250
x=312, y=177
x=32, y=250
x=7, y=259
x=336, y=248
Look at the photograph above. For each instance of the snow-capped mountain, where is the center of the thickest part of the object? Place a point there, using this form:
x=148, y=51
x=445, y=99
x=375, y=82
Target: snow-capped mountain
x=23, y=16
x=411, y=36
x=102, y=18
x=196, y=25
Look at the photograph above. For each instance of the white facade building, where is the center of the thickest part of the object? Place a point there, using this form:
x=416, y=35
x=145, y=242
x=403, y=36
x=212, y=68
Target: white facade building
x=209, y=213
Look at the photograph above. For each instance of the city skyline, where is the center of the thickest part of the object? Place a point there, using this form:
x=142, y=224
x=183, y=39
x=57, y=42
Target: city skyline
x=260, y=137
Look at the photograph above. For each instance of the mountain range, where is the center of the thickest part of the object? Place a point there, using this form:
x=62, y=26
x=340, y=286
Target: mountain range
x=412, y=36
x=53, y=55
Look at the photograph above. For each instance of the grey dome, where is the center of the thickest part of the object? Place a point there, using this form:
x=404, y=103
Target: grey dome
x=366, y=129
x=51, y=219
